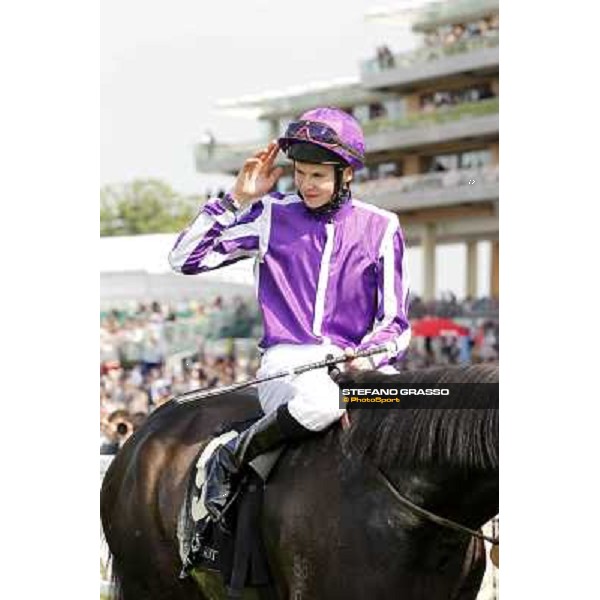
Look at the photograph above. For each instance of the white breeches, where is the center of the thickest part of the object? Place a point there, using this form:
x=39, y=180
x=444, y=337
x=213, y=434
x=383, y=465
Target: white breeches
x=313, y=398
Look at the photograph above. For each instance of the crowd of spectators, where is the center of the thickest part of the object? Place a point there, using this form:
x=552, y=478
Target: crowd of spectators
x=128, y=395
x=144, y=334
x=142, y=366
x=480, y=345
x=450, y=307
x=442, y=40
x=151, y=352
x=446, y=98
x=447, y=35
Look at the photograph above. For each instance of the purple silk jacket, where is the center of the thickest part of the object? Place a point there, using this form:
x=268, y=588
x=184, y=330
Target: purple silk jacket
x=337, y=279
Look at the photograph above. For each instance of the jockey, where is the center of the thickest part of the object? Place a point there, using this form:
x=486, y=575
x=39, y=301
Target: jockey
x=330, y=277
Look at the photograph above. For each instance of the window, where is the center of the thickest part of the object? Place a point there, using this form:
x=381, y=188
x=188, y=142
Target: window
x=395, y=108
x=377, y=111
x=389, y=169
x=442, y=98
x=361, y=175
x=361, y=113
x=470, y=159
x=475, y=159
x=443, y=162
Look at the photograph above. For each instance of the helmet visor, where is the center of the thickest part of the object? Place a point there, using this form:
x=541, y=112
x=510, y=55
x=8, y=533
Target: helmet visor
x=319, y=133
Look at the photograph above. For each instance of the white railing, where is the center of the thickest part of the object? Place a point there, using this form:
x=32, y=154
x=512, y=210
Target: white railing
x=429, y=182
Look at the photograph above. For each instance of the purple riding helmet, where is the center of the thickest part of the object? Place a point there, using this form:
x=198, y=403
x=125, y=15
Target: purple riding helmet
x=327, y=136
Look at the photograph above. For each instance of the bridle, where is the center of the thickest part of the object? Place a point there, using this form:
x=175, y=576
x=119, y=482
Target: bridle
x=449, y=524
x=419, y=510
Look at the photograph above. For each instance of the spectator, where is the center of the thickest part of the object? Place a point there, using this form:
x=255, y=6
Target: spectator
x=108, y=444
x=115, y=430
x=380, y=58
x=387, y=57
x=152, y=352
x=427, y=104
x=209, y=142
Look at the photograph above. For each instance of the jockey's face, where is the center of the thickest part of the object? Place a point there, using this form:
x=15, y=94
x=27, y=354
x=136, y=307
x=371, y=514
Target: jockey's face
x=317, y=182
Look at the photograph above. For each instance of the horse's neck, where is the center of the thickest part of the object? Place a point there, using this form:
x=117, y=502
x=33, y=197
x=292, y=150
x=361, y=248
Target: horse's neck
x=468, y=498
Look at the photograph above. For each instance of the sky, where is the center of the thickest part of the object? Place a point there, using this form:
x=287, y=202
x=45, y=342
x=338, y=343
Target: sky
x=164, y=66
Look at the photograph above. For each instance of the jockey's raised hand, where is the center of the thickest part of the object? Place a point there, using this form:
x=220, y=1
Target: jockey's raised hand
x=258, y=176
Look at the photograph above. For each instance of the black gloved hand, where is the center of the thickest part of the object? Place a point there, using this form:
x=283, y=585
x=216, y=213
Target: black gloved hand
x=334, y=371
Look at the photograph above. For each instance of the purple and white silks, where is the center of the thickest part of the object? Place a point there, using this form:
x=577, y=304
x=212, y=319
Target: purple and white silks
x=319, y=279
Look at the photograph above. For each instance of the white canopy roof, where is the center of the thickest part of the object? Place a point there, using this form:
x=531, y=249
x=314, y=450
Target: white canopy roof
x=149, y=253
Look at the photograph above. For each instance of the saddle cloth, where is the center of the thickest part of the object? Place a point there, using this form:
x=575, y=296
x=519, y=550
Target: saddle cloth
x=238, y=555
x=198, y=510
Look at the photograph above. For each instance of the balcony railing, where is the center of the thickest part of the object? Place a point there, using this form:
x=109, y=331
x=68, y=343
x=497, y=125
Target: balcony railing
x=442, y=13
x=419, y=192
x=438, y=117
x=230, y=157
x=206, y=152
x=424, y=55
x=456, y=178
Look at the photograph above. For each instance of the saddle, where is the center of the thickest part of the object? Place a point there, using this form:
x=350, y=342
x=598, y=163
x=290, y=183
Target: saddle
x=236, y=551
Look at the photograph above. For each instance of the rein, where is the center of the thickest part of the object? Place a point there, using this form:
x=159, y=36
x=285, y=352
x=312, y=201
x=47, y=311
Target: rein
x=429, y=515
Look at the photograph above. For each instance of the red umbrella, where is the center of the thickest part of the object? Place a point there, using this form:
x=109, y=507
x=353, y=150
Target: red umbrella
x=436, y=326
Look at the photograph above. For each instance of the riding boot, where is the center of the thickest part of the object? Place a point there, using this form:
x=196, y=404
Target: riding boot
x=227, y=462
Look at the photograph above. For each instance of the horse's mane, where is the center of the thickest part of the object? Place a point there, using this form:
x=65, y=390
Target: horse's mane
x=458, y=432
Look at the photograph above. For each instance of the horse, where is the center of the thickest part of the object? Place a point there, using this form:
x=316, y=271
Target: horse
x=331, y=529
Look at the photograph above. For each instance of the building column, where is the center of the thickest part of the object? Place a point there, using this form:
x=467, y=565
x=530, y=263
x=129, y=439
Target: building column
x=411, y=165
x=495, y=152
x=495, y=270
x=495, y=86
x=412, y=102
x=429, y=243
x=472, y=268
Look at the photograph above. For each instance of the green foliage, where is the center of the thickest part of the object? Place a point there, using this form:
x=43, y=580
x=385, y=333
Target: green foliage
x=437, y=117
x=144, y=206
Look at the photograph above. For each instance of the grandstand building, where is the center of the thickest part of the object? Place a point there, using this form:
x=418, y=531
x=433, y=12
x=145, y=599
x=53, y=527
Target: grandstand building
x=136, y=268
x=430, y=117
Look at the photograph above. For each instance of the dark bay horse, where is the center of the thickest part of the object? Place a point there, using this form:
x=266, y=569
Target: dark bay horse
x=332, y=530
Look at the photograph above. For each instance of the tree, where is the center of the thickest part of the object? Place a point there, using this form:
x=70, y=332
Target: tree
x=144, y=206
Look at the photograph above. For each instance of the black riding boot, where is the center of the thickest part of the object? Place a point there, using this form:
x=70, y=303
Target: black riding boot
x=228, y=460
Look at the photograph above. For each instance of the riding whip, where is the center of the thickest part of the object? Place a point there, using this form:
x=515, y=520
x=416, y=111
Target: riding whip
x=330, y=361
